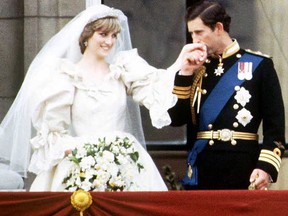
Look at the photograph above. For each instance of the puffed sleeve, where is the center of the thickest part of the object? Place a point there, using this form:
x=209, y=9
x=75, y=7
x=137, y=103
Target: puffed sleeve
x=148, y=85
x=51, y=119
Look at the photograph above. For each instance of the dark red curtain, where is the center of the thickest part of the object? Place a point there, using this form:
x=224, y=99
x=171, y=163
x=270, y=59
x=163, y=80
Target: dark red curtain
x=172, y=203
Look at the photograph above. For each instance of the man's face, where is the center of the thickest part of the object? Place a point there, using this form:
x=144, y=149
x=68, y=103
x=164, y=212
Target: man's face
x=201, y=33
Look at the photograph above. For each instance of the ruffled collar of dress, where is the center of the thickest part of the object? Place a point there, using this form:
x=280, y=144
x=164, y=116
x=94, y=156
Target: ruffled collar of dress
x=70, y=68
x=95, y=91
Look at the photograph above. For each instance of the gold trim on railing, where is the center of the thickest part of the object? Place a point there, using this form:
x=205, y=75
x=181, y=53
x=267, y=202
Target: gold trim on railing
x=81, y=200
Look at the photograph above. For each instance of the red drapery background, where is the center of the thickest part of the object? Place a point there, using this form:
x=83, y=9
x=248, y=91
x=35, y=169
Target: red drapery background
x=169, y=203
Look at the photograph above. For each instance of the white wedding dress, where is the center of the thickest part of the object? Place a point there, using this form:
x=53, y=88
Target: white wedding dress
x=73, y=111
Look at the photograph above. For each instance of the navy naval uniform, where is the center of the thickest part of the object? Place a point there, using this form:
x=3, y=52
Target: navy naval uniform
x=223, y=104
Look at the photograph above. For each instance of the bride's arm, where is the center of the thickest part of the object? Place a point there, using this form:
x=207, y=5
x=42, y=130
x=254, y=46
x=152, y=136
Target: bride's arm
x=51, y=119
x=148, y=85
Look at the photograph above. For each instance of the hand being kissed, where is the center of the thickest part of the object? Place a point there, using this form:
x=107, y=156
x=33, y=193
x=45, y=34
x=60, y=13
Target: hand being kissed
x=193, y=57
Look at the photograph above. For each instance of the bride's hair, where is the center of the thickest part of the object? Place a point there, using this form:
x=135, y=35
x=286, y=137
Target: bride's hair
x=105, y=24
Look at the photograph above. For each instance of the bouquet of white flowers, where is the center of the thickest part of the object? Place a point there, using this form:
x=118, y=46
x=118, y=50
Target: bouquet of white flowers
x=112, y=164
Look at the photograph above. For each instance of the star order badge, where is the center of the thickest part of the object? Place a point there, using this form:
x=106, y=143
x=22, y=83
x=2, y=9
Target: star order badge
x=219, y=70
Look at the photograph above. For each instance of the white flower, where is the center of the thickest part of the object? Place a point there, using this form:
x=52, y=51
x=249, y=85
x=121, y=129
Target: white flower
x=77, y=180
x=109, y=165
x=244, y=117
x=116, y=181
x=122, y=159
x=242, y=96
x=98, y=185
x=86, y=185
x=103, y=176
x=81, y=152
x=87, y=162
x=101, y=164
x=113, y=169
x=89, y=173
x=115, y=149
x=109, y=156
x=109, y=140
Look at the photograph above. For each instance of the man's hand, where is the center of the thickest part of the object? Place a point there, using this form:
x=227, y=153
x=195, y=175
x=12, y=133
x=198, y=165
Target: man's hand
x=260, y=179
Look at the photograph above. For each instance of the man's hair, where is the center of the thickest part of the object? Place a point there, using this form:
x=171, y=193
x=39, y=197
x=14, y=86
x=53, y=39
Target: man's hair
x=210, y=12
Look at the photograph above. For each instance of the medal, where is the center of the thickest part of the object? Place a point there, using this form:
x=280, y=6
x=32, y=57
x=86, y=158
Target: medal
x=248, y=72
x=245, y=70
x=241, y=71
x=219, y=70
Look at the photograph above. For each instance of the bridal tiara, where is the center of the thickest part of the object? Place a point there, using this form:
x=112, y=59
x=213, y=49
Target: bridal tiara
x=106, y=11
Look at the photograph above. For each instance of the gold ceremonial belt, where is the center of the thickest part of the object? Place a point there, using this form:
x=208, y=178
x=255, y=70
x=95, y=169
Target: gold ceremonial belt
x=226, y=135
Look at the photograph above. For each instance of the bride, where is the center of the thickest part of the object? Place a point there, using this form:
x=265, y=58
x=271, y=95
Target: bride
x=88, y=99
x=82, y=87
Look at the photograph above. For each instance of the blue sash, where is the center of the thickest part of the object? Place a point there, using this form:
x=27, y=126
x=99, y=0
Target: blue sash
x=213, y=106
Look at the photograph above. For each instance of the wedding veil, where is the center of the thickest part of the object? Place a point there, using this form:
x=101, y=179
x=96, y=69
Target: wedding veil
x=16, y=128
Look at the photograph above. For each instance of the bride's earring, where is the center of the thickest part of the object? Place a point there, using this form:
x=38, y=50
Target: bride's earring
x=85, y=43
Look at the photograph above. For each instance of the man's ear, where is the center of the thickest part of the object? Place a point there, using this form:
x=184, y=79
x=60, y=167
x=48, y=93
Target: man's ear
x=219, y=27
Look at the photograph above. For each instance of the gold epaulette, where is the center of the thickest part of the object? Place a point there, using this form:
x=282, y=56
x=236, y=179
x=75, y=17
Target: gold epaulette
x=257, y=53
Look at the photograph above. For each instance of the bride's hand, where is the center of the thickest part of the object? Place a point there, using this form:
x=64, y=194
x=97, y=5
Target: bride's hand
x=192, y=58
x=67, y=152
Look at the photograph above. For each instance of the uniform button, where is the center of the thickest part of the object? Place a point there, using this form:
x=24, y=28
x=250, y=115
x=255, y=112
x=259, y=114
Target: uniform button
x=238, y=55
x=237, y=88
x=277, y=151
x=204, y=91
x=211, y=142
x=205, y=75
x=210, y=126
x=235, y=106
x=235, y=124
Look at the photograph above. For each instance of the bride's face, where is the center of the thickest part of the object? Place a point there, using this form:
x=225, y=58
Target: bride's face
x=102, y=42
